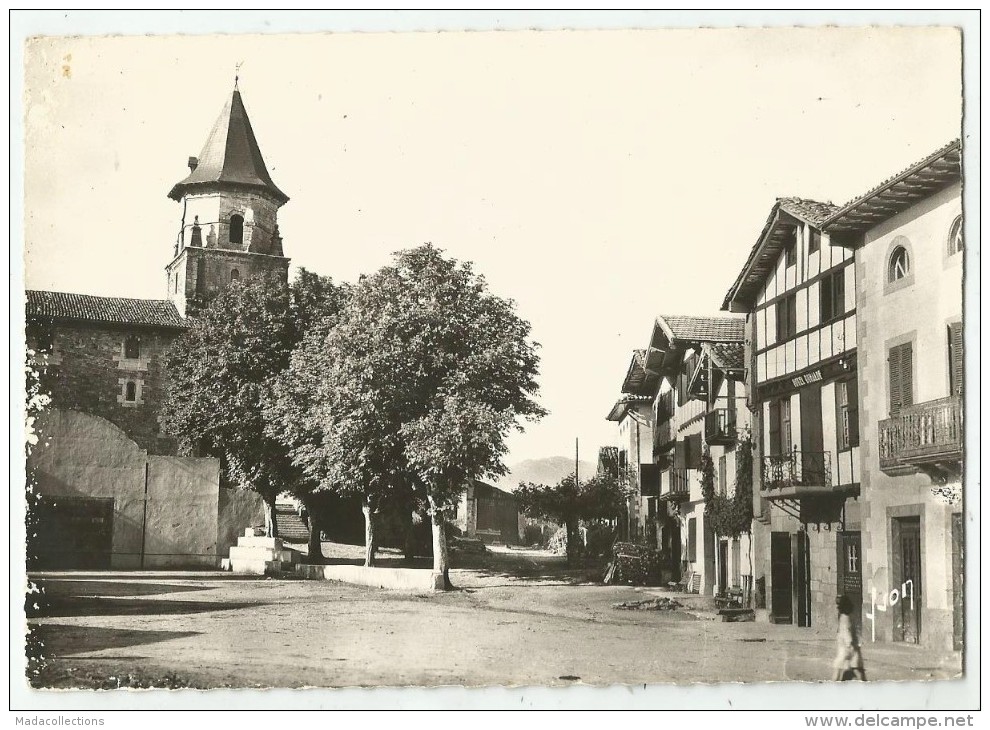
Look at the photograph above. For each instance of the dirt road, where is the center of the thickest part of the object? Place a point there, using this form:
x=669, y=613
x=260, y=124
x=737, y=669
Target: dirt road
x=516, y=619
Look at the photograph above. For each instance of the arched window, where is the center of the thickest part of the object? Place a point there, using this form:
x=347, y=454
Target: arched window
x=234, y=275
x=132, y=348
x=899, y=265
x=130, y=392
x=956, y=236
x=237, y=229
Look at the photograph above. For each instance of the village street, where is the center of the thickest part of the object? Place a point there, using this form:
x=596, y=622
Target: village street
x=518, y=618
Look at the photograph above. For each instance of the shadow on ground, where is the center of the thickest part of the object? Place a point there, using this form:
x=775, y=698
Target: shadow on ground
x=64, y=598
x=67, y=640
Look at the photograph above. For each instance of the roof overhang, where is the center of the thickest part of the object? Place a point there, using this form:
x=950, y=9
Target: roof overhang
x=777, y=232
x=939, y=170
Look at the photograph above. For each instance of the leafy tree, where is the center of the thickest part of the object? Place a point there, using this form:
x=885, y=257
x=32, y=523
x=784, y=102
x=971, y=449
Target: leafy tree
x=416, y=388
x=730, y=515
x=220, y=371
x=569, y=501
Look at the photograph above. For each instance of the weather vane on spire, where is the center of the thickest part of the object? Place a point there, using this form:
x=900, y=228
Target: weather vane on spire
x=237, y=72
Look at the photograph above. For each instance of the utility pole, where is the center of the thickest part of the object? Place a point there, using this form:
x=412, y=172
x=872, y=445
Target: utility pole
x=576, y=481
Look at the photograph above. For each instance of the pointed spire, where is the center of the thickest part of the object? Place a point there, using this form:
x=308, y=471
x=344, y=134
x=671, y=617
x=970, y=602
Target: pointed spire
x=230, y=156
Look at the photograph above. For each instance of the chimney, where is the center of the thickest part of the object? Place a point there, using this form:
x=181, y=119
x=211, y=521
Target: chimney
x=193, y=163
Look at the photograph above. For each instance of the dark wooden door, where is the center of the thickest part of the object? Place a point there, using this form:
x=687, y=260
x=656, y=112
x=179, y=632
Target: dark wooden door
x=802, y=579
x=781, y=608
x=907, y=572
x=850, y=565
x=812, y=440
x=958, y=595
x=72, y=532
x=723, y=566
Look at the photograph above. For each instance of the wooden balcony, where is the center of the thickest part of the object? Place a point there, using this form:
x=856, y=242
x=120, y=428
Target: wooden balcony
x=663, y=436
x=924, y=435
x=720, y=427
x=678, y=486
x=797, y=474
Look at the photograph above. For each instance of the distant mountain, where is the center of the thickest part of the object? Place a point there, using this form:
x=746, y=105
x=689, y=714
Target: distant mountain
x=549, y=470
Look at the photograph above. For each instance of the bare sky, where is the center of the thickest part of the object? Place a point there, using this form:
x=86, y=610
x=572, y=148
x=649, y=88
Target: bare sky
x=596, y=177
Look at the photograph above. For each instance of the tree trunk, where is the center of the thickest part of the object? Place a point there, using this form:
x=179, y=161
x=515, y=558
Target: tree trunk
x=571, y=526
x=441, y=558
x=410, y=542
x=316, y=556
x=271, y=526
x=369, y=534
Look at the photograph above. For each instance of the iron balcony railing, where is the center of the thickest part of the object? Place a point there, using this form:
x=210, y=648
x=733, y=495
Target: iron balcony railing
x=797, y=469
x=922, y=433
x=720, y=426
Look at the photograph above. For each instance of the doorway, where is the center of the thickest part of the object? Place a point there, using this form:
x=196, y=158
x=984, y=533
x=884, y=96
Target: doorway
x=723, y=566
x=907, y=572
x=781, y=607
x=850, y=563
x=802, y=579
x=71, y=532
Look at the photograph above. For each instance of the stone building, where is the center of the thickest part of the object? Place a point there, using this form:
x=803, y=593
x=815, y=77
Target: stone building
x=100, y=359
x=229, y=224
x=906, y=236
x=489, y=514
x=798, y=291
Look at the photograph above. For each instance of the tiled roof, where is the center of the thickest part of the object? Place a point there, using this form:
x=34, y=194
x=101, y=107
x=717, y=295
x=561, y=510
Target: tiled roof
x=231, y=155
x=702, y=329
x=898, y=192
x=729, y=355
x=811, y=211
x=623, y=403
x=58, y=305
x=770, y=243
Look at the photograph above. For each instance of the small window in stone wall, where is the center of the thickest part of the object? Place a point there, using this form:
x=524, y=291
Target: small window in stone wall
x=132, y=348
x=235, y=275
x=236, y=229
x=130, y=391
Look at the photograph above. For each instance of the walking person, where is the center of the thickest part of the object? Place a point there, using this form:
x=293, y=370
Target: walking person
x=848, y=658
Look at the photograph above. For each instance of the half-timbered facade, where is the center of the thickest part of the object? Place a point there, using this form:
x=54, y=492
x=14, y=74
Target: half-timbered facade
x=907, y=238
x=691, y=365
x=799, y=296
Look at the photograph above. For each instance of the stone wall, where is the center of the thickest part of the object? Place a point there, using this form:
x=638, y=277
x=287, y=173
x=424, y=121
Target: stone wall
x=87, y=371
x=164, y=508
x=181, y=518
x=237, y=509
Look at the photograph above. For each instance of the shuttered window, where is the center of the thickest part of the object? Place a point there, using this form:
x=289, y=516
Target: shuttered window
x=786, y=317
x=832, y=292
x=722, y=476
x=956, y=358
x=693, y=456
x=899, y=363
x=847, y=413
x=692, y=540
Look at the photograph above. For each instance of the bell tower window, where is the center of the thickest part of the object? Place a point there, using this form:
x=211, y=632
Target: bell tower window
x=132, y=348
x=237, y=229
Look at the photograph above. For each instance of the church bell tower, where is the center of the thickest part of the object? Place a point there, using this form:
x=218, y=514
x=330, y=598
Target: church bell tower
x=229, y=227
